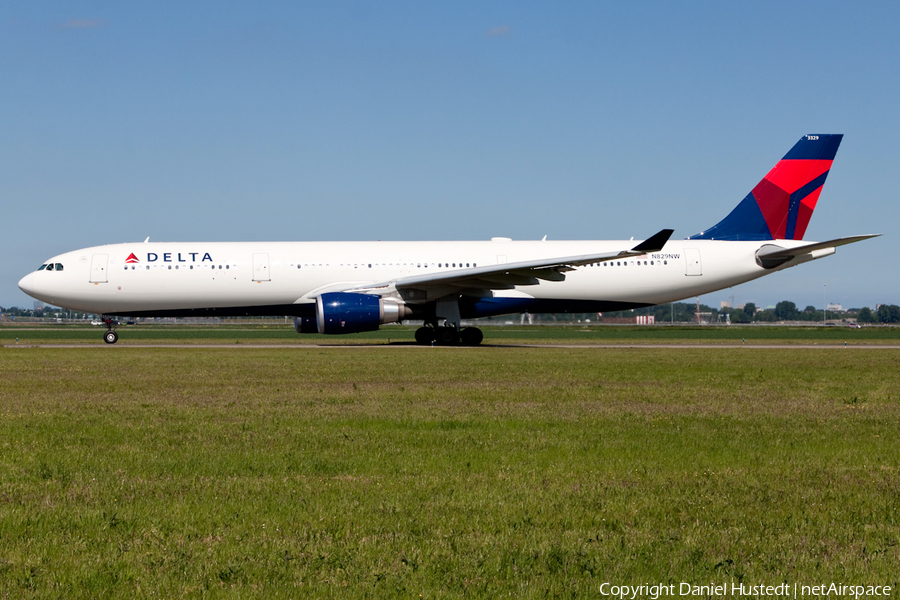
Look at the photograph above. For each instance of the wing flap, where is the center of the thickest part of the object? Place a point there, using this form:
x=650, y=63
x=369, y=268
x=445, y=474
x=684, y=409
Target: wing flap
x=502, y=276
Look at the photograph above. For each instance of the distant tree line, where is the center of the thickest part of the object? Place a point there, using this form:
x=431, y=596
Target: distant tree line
x=46, y=312
x=679, y=312
x=749, y=313
x=886, y=313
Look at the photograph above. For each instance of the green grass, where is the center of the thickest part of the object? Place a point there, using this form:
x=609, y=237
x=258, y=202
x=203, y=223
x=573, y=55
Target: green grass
x=569, y=334
x=353, y=473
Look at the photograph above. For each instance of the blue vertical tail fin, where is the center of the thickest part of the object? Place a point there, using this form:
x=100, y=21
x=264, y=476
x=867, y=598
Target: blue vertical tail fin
x=780, y=206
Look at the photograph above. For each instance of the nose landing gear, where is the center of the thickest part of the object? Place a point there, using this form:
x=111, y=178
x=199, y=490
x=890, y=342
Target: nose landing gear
x=110, y=337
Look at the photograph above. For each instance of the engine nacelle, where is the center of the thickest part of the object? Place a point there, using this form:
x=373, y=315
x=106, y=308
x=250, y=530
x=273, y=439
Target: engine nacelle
x=306, y=325
x=346, y=312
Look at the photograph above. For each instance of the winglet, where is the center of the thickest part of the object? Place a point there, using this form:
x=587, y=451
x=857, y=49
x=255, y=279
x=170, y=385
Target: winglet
x=654, y=244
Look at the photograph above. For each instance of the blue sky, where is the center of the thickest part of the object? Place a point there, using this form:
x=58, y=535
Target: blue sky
x=223, y=121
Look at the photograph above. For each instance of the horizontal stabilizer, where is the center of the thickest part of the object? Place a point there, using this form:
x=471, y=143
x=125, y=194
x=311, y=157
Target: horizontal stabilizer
x=771, y=255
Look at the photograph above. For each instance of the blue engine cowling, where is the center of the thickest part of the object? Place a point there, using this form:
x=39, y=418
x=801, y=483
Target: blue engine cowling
x=341, y=312
x=344, y=312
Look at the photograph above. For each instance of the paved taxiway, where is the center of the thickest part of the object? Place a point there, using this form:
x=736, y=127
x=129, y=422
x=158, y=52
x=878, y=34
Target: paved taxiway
x=856, y=346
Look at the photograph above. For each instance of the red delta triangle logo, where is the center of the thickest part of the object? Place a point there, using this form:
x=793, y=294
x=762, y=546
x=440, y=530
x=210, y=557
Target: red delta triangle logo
x=132, y=259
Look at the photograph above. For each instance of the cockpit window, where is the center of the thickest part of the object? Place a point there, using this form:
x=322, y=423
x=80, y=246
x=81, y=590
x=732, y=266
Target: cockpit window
x=59, y=267
x=42, y=267
x=50, y=267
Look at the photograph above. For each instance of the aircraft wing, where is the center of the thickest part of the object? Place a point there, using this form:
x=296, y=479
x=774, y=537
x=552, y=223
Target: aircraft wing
x=509, y=275
x=772, y=255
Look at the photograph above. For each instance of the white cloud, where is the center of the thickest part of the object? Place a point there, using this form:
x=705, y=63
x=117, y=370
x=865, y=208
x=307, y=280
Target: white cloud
x=500, y=31
x=84, y=24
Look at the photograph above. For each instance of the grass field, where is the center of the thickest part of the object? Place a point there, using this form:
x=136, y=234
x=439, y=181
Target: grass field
x=445, y=473
x=574, y=334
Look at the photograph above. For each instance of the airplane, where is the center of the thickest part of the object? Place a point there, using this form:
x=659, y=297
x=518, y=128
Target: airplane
x=351, y=287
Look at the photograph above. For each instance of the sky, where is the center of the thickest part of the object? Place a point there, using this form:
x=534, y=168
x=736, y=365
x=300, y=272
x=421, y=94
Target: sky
x=221, y=121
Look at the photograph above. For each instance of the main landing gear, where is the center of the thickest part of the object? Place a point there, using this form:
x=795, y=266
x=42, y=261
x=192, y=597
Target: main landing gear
x=110, y=337
x=448, y=336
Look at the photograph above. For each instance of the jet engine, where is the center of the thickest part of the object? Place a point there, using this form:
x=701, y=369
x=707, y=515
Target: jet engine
x=345, y=312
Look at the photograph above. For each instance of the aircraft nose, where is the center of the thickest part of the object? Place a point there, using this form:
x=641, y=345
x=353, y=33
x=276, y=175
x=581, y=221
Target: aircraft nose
x=26, y=285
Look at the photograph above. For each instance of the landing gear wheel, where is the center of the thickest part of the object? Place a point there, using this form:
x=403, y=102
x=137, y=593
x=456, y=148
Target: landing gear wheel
x=447, y=336
x=424, y=335
x=110, y=337
x=471, y=336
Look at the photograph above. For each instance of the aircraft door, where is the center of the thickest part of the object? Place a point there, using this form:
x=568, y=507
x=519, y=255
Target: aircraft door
x=261, y=266
x=692, y=261
x=98, y=268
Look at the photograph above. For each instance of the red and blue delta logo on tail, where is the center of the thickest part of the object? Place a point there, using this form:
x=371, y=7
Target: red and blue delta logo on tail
x=780, y=206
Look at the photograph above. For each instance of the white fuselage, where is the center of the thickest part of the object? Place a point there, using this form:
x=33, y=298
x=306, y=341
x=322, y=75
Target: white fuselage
x=145, y=277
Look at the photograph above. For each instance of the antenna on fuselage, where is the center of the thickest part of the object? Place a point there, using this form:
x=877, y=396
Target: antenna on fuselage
x=147, y=240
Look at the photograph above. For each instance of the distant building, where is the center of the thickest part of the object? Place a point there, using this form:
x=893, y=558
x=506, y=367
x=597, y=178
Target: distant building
x=645, y=320
x=835, y=307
